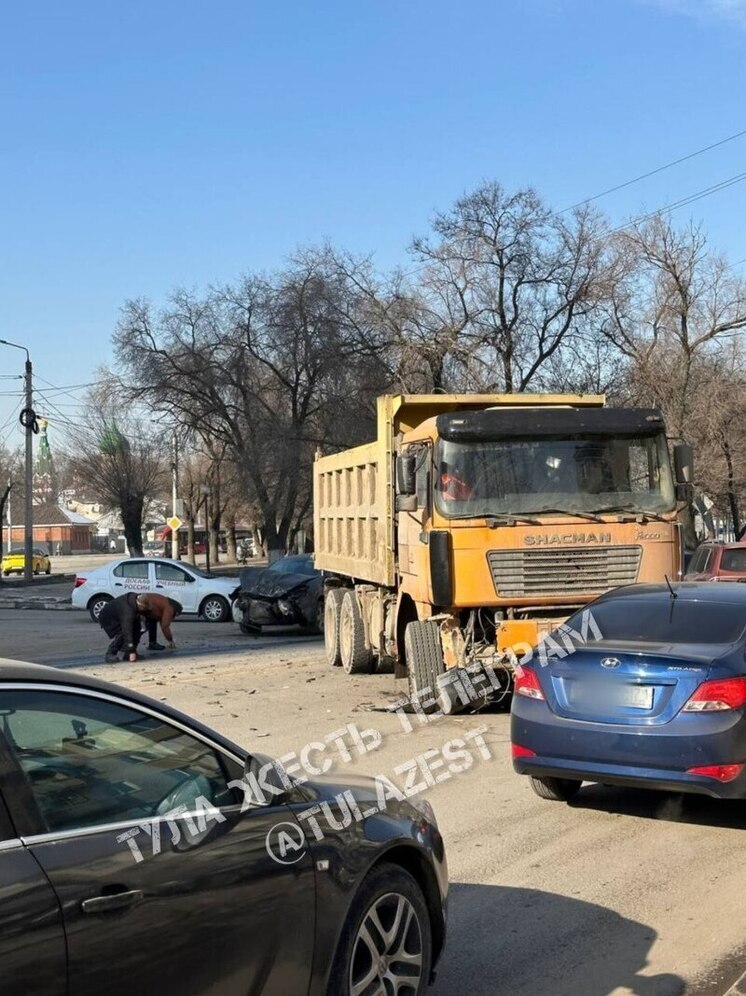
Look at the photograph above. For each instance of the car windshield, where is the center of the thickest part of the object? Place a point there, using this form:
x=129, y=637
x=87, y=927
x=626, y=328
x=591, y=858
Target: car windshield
x=734, y=560
x=666, y=620
x=198, y=571
x=578, y=474
x=294, y=565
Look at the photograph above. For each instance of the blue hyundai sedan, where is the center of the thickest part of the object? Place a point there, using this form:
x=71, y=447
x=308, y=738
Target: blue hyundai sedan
x=645, y=687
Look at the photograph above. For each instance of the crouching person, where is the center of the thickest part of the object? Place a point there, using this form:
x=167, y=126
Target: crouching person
x=155, y=610
x=120, y=620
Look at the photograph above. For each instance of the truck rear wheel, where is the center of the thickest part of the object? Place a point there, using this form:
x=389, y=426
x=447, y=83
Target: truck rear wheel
x=354, y=652
x=424, y=655
x=332, y=609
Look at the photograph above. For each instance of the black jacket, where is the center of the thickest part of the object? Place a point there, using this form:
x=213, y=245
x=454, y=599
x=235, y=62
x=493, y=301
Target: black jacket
x=123, y=613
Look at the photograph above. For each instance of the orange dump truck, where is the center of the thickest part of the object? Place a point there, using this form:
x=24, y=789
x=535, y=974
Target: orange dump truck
x=473, y=524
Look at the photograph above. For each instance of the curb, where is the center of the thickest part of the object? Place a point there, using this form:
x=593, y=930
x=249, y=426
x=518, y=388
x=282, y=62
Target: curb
x=58, y=604
x=37, y=579
x=739, y=989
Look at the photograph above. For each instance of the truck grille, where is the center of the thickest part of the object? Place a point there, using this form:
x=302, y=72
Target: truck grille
x=591, y=570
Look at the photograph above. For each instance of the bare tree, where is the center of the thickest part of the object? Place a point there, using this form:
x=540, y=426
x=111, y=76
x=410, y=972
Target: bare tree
x=119, y=459
x=510, y=282
x=268, y=370
x=676, y=313
x=673, y=302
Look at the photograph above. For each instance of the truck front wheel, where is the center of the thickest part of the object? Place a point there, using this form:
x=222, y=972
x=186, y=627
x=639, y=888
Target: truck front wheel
x=354, y=652
x=424, y=662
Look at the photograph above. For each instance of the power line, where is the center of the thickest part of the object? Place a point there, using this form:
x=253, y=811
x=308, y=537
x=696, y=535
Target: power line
x=16, y=410
x=654, y=172
x=59, y=416
x=690, y=199
x=69, y=388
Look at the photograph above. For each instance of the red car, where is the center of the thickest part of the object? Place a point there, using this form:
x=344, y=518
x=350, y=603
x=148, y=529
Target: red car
x=714, y=561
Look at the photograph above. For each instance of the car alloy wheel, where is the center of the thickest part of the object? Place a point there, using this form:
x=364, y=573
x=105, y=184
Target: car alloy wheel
x=96, y=606
x=215, y=609
x=388, y=953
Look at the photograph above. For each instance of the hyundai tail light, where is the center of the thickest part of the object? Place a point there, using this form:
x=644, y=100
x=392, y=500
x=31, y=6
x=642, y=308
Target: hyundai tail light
x=527, y=683
x=80, y=581
x=718, y=695
x=517, y=751
x=721, y=772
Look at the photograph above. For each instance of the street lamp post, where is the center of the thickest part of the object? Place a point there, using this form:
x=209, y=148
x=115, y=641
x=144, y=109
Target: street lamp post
x=174, y=492
x=28, y=421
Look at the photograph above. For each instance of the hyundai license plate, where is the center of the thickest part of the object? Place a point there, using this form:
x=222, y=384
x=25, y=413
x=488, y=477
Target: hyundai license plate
x=588, y=693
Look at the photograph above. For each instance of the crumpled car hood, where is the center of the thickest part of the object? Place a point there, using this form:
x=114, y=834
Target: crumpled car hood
x=270, y=584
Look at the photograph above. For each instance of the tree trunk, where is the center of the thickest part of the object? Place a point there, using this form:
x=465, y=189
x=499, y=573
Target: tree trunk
x=214, y=525
x=189, y=518
x=732, y=489
x=132, y=522
x=274, y=538
x=230, y=543
x=258, y=537
x=190, y=540
x=214, y=543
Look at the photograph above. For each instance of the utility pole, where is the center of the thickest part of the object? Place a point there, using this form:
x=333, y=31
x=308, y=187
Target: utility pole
x=174, y=493
x=10, y=515
x=29, y=424
x=28, y=421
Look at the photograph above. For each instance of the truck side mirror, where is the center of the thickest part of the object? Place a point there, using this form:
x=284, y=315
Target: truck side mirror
x=683, y=463
x=406, y=475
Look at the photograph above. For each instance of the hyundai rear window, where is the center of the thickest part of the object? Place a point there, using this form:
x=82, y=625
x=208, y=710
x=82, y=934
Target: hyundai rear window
x=670, y=620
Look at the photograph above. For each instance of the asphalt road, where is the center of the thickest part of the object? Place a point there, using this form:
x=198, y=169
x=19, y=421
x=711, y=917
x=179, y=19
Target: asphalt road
x=620, y=892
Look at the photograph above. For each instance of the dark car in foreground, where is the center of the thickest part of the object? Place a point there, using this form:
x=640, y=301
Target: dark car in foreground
x=132, y=859
x=289, y=592
x=657, y=700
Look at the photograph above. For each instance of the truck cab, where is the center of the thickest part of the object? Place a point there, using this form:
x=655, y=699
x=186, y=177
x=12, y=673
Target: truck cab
x=486, y=521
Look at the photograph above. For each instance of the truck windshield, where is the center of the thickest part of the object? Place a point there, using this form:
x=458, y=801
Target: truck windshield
x=580, y=474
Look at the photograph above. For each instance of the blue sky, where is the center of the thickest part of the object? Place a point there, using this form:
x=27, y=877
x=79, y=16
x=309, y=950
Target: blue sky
x=147, y=145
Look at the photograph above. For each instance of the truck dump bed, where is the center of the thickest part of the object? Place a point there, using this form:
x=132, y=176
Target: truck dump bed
x=353, y=492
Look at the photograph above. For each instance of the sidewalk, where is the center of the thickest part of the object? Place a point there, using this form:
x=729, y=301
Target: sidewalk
x=68, y=567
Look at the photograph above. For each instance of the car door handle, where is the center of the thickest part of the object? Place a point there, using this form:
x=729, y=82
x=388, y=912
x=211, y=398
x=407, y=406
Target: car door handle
x=159, y=586
x=117, y=584
x=115, y=901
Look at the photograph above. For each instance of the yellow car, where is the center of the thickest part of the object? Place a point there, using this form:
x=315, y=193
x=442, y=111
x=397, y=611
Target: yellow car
x=15, y=561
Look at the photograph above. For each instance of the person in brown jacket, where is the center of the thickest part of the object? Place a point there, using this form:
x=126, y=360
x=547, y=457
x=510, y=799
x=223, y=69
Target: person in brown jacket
x=156, y=609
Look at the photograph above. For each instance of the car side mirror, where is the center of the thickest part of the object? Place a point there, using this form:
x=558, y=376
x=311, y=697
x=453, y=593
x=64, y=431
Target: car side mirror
x=266, y=782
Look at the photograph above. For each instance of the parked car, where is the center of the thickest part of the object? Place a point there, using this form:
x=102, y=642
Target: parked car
x=713, y=561
x=15, y=562
x=659, y=701
x=129, y=861
x=288, y=592
x=195, y=591
x=154, y=549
